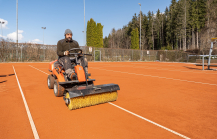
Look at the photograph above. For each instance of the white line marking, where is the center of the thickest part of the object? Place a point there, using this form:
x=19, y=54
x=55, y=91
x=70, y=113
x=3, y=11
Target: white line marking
x=174, y=132
x=158, y=77
x=139, y=116
x=147, y=67
x=38, y=69
x=35, y=133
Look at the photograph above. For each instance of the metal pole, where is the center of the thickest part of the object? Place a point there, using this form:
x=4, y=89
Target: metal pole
x=140, y=27
x=43, y=41
x=210, y=54
x=21, y=52
x=1, y=27
x=94, y=55
x=140, y=32
x=84, y=26
x=43, y=44
x=203, y=62
x=17, y=31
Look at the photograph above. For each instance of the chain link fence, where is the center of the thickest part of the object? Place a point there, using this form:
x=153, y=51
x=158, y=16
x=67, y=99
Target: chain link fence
x=26, y=52
x=108, y=54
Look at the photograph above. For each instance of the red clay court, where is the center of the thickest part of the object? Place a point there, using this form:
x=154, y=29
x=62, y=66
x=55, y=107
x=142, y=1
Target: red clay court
x=156, y=100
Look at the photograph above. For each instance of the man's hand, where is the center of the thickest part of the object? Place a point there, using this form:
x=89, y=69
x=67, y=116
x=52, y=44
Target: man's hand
x=66, y=53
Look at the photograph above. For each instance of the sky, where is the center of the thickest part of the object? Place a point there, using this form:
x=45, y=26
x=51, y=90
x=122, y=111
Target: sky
x=59, y=15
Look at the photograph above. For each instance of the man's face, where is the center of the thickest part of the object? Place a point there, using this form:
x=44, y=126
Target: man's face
x=69, y=36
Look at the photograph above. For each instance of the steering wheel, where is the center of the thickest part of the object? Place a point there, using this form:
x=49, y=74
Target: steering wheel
x=75, y=49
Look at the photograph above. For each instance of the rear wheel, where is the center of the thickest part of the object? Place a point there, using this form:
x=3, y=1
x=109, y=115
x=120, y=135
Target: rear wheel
x=50, y=81
x=58, y=89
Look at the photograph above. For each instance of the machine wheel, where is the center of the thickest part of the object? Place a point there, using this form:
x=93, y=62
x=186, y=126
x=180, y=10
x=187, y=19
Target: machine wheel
x=50, y=81
x=58, y=89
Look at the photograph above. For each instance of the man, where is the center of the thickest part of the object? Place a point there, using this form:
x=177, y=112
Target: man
x=62, y=51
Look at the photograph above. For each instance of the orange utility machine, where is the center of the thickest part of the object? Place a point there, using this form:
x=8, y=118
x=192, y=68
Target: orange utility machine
x=80, y=91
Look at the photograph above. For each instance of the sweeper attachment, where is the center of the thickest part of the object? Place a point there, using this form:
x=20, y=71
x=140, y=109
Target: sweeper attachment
x=79, y=91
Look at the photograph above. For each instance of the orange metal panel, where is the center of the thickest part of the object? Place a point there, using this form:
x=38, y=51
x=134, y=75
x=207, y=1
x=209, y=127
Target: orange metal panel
x=51, y=65
x=80, y=73
x=60, y=76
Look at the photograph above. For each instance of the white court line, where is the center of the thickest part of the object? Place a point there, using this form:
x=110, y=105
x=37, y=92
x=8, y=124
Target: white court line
x=35, y=133
x=38, y=69
x=158, y=77
x=144, y=67
x=174, y=132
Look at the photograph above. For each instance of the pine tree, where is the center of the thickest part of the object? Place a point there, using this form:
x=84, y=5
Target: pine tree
x=149, y=30
x=158, y=28
x=144, y=32
x=99, y=35
x=167, y=29
x=135, y=39
x=91, y=33
x=173, y=22
x=198, y=16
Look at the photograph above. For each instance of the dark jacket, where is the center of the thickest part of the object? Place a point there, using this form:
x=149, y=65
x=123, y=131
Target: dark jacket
x=64, y=45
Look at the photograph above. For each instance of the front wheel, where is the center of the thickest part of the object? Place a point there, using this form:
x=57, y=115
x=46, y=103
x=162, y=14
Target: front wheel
x=58, y=89
x=50, y=81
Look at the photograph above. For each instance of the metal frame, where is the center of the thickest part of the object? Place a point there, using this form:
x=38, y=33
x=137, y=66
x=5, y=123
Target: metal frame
x=210, y=55
x=99, y=54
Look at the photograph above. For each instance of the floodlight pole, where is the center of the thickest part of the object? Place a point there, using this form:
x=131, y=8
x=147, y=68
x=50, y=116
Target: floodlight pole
x=17, y=31
x=140, y=26
x=43, y=41
x=1, y=27
x=84, y=26
x=140, y=31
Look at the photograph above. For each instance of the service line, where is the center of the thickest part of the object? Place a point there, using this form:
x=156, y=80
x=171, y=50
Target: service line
x=174, y=132
x=157, y=77
x=34, y=130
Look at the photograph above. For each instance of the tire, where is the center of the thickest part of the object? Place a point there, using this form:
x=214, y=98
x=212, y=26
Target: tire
x=50, y=81
x=58, y=89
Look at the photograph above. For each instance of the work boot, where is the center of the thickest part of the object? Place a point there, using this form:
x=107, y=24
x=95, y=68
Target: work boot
x=71, y=76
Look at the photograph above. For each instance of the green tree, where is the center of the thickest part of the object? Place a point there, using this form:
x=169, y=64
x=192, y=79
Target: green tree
x=167, y=28
x=135, y=39
x=106, y=42
x=91, y=33
x=158, y=28
x=198, y=16
x=149, y=34
x=99, y=35
x=144, y=32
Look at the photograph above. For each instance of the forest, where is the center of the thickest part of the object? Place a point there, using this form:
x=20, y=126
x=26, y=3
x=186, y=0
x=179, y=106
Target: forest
x=185, y=24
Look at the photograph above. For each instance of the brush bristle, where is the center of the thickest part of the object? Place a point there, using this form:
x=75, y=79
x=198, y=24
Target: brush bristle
x=90, y=100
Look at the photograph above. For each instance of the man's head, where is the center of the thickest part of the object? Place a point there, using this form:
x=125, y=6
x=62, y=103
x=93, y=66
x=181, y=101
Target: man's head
x=68, y=34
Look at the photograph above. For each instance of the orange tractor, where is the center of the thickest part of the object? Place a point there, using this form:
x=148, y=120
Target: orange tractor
x=80, y=91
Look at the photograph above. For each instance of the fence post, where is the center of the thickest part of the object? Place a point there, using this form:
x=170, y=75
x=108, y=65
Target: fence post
x=132, y=54
x=94, y=56
x=100, y=55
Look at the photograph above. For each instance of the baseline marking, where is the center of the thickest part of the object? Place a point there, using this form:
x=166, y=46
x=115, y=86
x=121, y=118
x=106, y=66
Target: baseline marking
x=158, y=77
x=35, y=133
x=174, y=132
